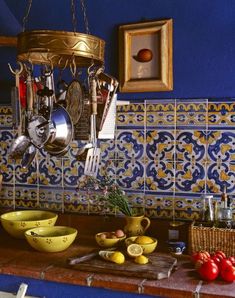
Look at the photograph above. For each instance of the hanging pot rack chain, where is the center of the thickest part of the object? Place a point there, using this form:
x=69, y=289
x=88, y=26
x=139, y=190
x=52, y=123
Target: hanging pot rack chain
x=27, y=12
x=57, y=47
x=74, y=19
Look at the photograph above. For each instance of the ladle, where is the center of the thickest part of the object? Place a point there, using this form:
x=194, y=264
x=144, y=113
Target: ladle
x=28, y=156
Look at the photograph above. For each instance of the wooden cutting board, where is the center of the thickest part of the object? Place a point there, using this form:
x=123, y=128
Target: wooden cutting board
x=159, y=266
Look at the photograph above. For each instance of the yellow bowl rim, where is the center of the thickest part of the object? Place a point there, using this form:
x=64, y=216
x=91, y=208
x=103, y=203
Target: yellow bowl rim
x=27, y=233
x=4, y=215
x=134, y=237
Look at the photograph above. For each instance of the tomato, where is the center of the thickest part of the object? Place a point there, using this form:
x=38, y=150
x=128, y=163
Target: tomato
x=224, y=263
x=200, y=255
x=220, y=253
x=232, y=260
x=216, y=259
x=228, y=273
x=208, y=270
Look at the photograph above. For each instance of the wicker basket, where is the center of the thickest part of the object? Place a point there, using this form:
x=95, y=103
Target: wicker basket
x=211, y=239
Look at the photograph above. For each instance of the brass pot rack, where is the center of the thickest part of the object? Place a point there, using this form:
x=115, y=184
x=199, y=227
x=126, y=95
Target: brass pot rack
x=59, y=48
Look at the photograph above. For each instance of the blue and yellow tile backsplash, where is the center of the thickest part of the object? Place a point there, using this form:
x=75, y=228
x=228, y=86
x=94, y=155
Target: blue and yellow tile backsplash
x=166, y=154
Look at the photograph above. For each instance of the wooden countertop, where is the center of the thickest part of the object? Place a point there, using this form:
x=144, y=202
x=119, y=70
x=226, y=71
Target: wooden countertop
x=18, y=258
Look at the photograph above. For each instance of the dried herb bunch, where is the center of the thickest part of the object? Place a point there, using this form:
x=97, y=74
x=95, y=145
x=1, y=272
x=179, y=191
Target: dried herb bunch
x=107, y=191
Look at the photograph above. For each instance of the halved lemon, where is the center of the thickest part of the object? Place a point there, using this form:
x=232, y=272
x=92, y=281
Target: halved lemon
x=141, y=260
x=134, y=250
x=117, y=257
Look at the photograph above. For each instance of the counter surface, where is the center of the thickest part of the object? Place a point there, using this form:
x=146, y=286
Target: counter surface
x=18, y=258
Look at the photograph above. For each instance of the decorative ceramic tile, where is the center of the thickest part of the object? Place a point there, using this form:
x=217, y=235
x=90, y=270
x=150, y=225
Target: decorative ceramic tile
x=131, y=115
x=190, y=146
x=221, y=114
x=5, y=117
x=190, y=177
x=51, y=198
x=193, y=114
x=160, y=176
x=160, y=114
x=107, y=149
x=160, y=145
x=222, y=146
x=163, y=156
x=219, y=175
x=130, y=174
x=50, y=170
x=76, y=201
x=7, y=197
x=130, y=144
x=26, y=197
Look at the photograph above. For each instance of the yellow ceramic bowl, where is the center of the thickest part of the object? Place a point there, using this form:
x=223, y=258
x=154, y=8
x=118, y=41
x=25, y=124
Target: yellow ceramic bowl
x=108, y=242
x=51, y=239
x=147, y=248
x=17, y=222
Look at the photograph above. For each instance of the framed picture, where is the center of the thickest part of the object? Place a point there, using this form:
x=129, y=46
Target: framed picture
x=145, y=56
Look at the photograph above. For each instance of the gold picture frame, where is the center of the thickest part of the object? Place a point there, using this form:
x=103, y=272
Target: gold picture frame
x=145, y=56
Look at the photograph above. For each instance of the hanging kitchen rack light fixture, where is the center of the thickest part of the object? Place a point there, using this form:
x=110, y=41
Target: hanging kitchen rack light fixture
x=60, y=48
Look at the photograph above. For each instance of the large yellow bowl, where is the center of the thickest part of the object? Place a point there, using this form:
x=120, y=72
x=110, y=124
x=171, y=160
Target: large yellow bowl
x=147, y=248
x=51, y=239
x=17, y=222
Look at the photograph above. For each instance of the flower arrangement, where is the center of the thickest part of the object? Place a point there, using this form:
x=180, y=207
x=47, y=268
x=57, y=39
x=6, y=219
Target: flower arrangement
x=111, y=193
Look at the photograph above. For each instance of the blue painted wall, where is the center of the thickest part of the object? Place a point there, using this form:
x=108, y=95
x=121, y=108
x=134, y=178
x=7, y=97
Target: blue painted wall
x=204, y=37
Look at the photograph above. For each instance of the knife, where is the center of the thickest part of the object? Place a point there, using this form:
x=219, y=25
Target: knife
x=87, y=257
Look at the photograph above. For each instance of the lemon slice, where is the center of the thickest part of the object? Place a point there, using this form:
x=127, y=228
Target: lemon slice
x=141, y=260
x=134, y=250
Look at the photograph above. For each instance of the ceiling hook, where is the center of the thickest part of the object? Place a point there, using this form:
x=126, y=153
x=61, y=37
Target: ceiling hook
x=16, y=71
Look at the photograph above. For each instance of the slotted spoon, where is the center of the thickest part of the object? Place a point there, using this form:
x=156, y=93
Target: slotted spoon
x=93, y=154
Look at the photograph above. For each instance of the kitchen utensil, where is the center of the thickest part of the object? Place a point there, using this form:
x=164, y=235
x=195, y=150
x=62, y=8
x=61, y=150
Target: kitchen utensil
x=61, y=130
x=89, y=256
x=19, y=146
x=28, y=156
x=15, y=97
x=74, y=101
x=93, y=154
x=107, y=87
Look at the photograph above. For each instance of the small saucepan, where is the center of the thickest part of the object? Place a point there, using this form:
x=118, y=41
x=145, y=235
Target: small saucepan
x=61, y=130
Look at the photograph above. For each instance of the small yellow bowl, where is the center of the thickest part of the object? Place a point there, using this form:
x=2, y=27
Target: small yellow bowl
x=147, y=248
x=17, y=222
x=51, y=239
x=108, y=242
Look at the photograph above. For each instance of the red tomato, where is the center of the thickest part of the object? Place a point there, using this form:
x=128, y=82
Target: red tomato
x=232, y=260
x=224, y=263
x=220, y=253
x=200, y=255
x=208, y=270
x=228, y=273
x=216, y=259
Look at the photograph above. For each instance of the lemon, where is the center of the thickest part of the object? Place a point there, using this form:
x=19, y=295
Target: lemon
x=117, y=257
x=134, y=250
x=143, y=240
x=141, y=260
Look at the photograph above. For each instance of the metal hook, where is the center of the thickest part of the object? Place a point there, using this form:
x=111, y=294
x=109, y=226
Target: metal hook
x=16, y=71
x=73, y=67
